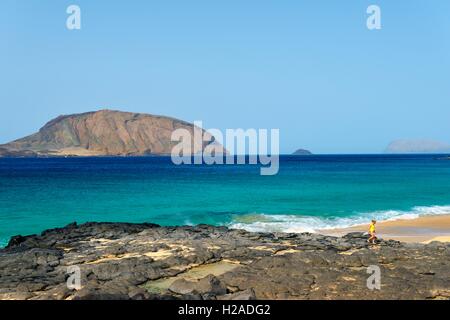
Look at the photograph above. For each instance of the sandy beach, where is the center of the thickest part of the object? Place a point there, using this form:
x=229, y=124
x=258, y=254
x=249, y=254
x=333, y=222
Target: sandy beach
x=423, y=229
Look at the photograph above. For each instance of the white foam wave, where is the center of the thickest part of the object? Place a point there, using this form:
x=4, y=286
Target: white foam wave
x=299, y=223
x=3, y=242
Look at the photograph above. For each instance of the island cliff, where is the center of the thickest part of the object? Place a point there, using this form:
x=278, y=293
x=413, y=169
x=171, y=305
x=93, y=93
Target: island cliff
x=103, y=133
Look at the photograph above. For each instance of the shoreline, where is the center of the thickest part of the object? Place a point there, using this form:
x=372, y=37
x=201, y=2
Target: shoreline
x=423, y=229
x=148, y=261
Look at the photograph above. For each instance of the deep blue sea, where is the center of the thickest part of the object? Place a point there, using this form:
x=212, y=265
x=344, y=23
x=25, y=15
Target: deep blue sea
x=309, y=192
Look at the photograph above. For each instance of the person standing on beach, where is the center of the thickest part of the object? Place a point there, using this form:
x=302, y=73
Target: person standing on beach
x=372, y=234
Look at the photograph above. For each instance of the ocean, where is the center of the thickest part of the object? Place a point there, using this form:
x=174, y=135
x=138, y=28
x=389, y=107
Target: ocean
x=308, y=193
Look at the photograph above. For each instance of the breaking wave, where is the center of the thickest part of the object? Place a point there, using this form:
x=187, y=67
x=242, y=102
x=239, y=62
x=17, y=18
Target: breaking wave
x=298, y=223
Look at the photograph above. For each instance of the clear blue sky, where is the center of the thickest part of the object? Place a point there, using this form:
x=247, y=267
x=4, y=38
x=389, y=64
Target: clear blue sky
x=310, y=68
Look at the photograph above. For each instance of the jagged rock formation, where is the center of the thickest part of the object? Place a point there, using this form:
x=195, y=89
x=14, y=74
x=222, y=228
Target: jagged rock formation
x=104, y=133
x=145, y=261
x=417, y=146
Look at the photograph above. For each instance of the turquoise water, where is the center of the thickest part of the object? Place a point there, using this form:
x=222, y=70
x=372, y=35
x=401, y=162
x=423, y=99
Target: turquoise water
x=308, y=193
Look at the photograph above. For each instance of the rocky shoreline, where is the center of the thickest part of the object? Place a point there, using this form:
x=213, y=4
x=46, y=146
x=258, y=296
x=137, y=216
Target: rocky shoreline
x=146, y=261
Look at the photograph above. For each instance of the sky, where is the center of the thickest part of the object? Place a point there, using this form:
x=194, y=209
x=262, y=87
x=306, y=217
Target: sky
x=311, y=69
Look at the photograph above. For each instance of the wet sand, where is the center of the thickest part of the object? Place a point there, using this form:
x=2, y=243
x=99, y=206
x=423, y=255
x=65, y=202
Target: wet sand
x=423, y=229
